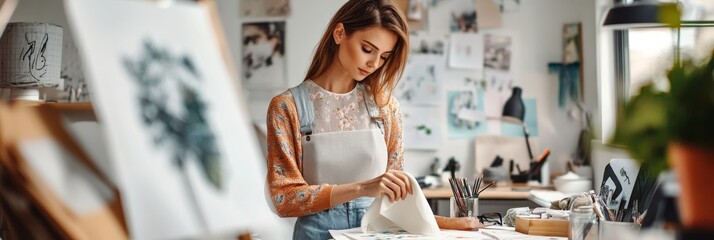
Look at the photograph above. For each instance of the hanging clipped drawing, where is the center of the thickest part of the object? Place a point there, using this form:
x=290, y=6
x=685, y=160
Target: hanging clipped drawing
x=568, y=76
x=169, y=109
x=264, y=8
x=263, y=55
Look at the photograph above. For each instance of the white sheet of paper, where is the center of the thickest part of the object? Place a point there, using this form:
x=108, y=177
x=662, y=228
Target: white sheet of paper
x=164, y=200
x=412, y=214
x=446, y=234
x=466, y=51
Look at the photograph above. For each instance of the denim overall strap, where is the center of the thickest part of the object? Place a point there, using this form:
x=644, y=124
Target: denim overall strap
x=304, y=108
x=373, y=109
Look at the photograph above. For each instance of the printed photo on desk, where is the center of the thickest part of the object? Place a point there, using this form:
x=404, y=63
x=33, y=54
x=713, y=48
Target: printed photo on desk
x=178, y=141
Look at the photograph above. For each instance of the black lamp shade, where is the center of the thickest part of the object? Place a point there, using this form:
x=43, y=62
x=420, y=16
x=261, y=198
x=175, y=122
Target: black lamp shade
x=514, y=110
x=641, y=15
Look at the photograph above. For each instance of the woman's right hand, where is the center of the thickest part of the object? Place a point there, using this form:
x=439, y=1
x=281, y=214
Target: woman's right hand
x=395, y=184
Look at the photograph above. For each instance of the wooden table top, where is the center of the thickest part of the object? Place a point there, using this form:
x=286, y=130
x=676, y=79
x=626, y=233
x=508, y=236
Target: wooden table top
x=503, y=192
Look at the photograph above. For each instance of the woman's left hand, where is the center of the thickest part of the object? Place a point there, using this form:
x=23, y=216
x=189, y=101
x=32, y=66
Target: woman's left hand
x=462, y=223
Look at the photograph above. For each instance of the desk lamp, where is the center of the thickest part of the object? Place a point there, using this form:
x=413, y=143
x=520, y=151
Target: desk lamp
x=642, y=14
x=514, y=111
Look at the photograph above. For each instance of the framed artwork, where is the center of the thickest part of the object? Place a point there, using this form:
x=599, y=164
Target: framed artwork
x=177, y=132
x=263, y=55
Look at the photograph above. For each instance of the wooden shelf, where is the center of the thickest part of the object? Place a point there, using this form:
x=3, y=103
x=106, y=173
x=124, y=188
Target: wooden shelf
x=80, y=106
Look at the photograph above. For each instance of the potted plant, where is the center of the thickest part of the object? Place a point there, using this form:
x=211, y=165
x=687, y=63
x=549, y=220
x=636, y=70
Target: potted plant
x=674, y=128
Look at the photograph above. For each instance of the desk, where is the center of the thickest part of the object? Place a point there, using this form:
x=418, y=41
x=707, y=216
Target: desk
x=498, y=199
x=487, y=233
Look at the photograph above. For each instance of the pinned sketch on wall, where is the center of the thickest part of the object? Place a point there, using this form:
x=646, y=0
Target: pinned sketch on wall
x=568, y=77
x=463, y=16
x=172, y=119
x=264, y=55
x=423, y=44
x=465, y=116
x=466, y=51
x=419, y=85
x=422, y=129
x=264, y=8
x=415, y=9
x=497, y=52
x=509, y=5
x=489, y=14
x=530, y=120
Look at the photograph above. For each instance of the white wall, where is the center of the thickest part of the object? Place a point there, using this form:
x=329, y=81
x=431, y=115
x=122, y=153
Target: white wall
x=537, y=26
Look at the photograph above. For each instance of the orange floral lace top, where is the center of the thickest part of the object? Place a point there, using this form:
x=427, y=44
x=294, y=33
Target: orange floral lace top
x=290, y=194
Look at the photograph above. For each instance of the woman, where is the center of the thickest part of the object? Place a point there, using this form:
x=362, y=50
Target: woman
x=331, y=138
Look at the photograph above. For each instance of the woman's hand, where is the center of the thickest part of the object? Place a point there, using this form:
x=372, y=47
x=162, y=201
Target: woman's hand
x=395, y=184
x=462, y=223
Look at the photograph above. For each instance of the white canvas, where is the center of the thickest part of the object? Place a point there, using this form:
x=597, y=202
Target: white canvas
x=170, y=57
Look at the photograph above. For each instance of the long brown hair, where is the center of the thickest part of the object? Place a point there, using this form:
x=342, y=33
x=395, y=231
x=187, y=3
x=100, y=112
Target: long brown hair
x=358, y=15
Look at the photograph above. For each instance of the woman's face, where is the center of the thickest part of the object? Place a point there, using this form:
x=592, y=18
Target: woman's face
x=363, y=52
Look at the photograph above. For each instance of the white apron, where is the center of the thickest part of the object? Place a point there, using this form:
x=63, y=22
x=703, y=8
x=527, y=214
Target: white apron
x=340, y=157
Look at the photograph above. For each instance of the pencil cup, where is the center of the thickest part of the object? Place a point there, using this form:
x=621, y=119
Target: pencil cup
x=615, y=230
x=463, y=207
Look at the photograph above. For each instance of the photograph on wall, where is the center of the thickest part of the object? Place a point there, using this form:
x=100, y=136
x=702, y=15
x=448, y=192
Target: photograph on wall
x=172, y=119
x=465, y=116
x=263, y=55
x=264, y=8
x=463, y=16
x=419, y=84
x=422, y=129
x=466, y=51
x=497, y=52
